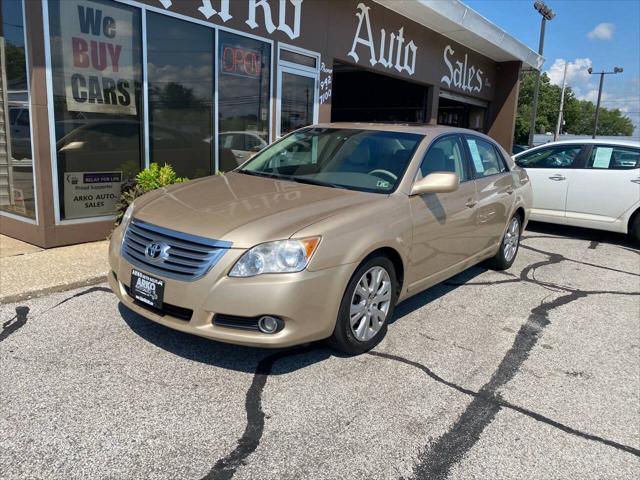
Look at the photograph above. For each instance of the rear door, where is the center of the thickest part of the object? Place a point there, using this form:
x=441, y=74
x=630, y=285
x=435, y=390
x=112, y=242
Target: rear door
x=550, y=170
x=607, y=187
x=494, y=187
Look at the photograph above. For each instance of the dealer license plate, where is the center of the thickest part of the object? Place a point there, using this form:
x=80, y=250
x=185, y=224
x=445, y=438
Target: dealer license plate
x=147, y=289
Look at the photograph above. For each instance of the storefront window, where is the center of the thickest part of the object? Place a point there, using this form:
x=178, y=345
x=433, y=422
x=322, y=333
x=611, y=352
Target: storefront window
x=297, y=101
x=243, y=98
x=96, y=65
x=16, y=163
x=180, y=77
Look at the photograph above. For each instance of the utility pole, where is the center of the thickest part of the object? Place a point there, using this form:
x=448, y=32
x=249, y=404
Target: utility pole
x=602, y=74
x=547, y=14
x=564, y=86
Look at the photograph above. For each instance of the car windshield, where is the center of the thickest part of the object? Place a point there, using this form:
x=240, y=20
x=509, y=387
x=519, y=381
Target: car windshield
x=364, y=160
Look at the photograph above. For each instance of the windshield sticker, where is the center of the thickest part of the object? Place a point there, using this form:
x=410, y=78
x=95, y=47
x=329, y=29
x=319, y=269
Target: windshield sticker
x=382, y=184
x=475, y=154
x=603, y=157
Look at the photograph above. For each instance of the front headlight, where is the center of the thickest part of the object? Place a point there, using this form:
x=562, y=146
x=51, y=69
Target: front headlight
x=127, y=216
x=283, y=256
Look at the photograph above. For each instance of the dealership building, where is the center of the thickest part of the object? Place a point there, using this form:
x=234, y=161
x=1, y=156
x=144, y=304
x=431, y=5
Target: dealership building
x=93, y=91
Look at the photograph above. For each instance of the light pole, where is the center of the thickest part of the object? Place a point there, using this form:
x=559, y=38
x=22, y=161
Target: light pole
x=602, y=74
x=547, y=14
x=564, y=87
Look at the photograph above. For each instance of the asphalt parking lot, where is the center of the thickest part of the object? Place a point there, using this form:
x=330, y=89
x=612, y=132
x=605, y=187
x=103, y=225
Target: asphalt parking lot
x=530, y=373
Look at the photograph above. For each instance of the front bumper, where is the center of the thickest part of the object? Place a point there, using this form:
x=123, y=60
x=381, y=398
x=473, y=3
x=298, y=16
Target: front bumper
x=306, y=301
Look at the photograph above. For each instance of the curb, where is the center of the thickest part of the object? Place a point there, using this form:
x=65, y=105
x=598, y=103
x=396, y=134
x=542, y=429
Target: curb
x=55, y=289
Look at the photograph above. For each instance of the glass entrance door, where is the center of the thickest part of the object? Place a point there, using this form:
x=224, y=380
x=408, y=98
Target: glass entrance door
x=297, y=99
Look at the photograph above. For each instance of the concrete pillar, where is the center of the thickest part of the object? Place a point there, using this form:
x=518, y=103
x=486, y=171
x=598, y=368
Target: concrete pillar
x=431, y=115
x=502, y=111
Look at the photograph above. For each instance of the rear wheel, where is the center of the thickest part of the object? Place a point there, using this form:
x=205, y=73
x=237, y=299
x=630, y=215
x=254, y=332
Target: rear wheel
x=367, y=305
x=509, y=247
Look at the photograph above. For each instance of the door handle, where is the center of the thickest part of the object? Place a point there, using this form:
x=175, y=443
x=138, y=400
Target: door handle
x=471, y=203
x=509, y=190
x=636, y=180
x=557, y=177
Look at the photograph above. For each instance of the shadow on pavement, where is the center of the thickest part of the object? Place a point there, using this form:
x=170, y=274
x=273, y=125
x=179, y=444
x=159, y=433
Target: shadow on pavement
x=245, y=359
x=223, y=355
x=423, y=298
x=578, y=233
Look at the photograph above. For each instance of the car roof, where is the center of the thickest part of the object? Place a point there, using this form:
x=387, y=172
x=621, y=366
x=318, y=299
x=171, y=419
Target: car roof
x=419, y=128
x=592, y=141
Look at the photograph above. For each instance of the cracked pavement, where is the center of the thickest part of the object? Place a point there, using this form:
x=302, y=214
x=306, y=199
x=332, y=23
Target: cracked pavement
x=530, y=373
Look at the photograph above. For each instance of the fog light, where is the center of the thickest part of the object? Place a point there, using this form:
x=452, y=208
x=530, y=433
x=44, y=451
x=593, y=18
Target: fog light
x=268, y=324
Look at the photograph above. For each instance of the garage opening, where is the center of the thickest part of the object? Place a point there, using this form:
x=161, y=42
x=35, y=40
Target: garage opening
x=362, y=96
x=457, y=110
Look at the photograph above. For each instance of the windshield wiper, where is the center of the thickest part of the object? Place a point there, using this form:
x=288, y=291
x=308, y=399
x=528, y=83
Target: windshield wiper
x=312, y=181
x=262, y=174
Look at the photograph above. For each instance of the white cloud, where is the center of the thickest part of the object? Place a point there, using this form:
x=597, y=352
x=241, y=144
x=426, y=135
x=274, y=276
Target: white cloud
x=576, y=71
x=602, y=31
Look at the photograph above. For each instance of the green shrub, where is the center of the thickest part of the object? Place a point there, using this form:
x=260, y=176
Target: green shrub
x=148, y=179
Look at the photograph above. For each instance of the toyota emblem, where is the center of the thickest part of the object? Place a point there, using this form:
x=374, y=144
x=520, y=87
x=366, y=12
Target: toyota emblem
x=157, y=251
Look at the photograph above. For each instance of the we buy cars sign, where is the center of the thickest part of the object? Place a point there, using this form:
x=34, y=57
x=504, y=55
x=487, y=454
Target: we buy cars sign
x=97, y=48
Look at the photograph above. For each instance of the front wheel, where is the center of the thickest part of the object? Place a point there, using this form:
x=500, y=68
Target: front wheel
x=367, y=305
x=509, y=247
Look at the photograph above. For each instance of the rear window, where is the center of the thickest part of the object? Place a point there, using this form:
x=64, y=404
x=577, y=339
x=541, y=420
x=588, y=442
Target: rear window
x=614, y=158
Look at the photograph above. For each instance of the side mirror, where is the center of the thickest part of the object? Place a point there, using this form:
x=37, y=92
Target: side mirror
x=76, y=145
x=436, y=182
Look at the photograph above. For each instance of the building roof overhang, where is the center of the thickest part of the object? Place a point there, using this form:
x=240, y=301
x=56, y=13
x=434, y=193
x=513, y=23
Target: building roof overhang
x=455, y=20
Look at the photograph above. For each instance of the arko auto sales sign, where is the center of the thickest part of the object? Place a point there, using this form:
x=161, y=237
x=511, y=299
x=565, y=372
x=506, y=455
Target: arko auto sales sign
x=97, y=46
x=90, y=194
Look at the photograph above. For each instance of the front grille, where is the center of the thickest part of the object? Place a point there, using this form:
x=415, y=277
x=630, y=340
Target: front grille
x=184, y=257
x=167, y=309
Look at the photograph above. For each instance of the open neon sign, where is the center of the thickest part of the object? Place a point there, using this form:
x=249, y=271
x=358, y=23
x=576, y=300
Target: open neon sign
x=241, y=61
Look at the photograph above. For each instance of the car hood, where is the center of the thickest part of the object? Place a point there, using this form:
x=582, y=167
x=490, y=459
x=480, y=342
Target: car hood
x=244, y=209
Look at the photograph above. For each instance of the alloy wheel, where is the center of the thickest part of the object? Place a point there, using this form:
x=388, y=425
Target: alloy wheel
x=511, y=239
x=370, y=303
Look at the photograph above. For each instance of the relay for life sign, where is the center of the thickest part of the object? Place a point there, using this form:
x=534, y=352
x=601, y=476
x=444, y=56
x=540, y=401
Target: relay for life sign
x=90, y=194
x=97, y=47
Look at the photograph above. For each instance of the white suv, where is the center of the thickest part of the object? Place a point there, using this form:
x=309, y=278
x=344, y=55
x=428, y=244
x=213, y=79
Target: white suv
x=586, y=183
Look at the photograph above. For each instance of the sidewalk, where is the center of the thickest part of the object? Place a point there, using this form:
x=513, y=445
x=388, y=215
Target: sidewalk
x=28, y=271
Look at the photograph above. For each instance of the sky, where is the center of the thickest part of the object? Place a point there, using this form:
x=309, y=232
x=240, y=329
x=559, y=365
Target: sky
x=601, y=34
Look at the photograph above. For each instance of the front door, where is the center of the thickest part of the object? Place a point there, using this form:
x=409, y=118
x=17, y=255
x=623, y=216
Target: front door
x=297, y=100
x=443, y=223
x=550, y=170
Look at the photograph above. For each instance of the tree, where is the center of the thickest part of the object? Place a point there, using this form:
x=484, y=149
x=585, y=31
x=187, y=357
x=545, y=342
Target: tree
x=579, y=115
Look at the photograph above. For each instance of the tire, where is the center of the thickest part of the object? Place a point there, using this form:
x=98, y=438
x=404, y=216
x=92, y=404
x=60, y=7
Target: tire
x=509, y=246
x=367, y=330
x=634, y=231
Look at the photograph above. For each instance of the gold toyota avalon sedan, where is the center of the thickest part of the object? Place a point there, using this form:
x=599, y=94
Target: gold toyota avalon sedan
x=320, y=235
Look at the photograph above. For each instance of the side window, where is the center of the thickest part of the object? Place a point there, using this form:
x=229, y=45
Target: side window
x=552, y=157
x=484, y=157
x=225, y=140
x=504, y=166
x=614, y=158
x=238, y=142
x=446, y=155
x=251, y=142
